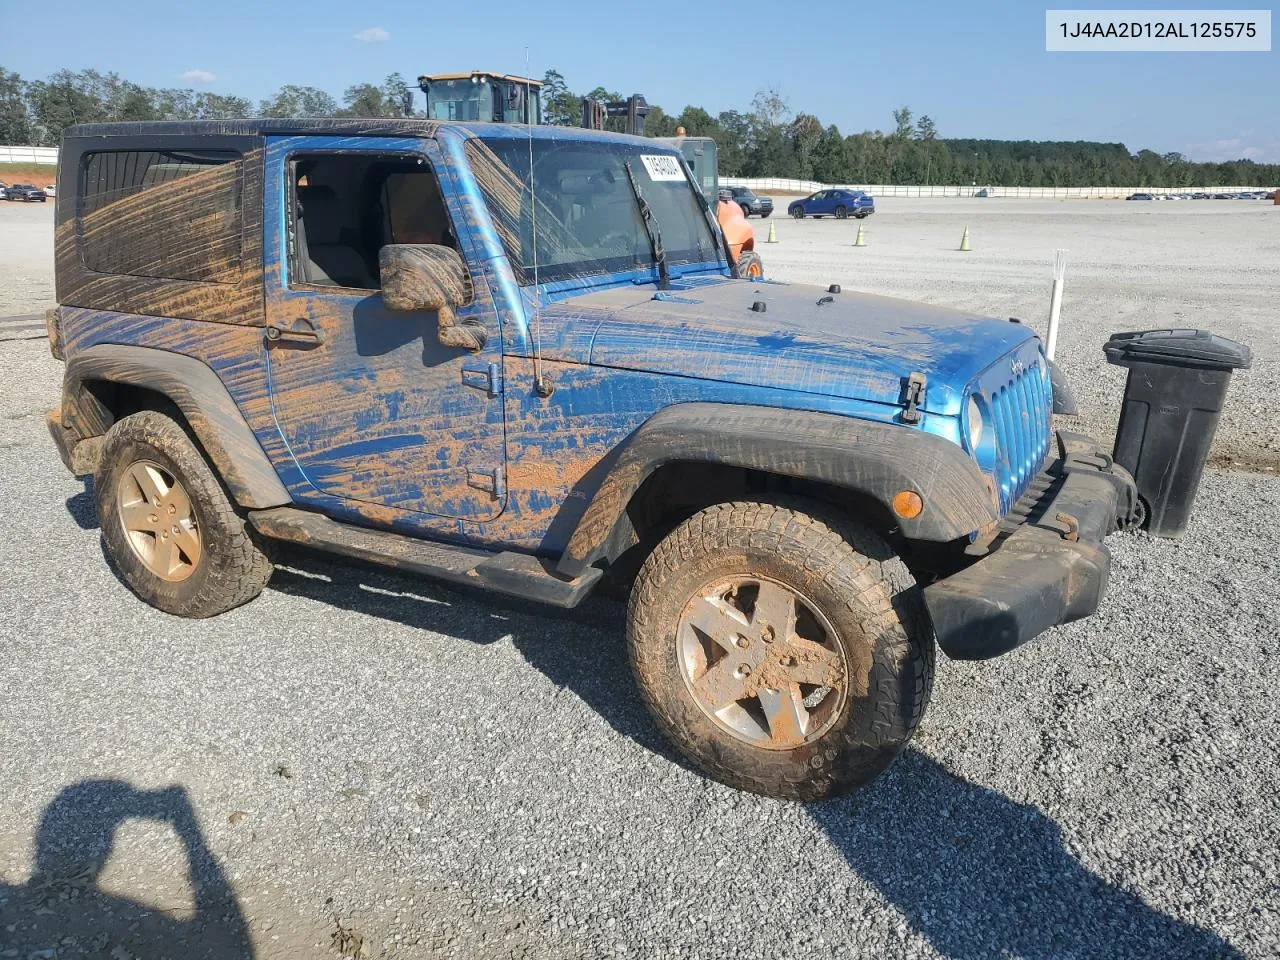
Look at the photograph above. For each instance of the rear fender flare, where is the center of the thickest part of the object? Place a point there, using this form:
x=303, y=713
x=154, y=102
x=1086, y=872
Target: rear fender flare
x=873, y=459
x=195, y=390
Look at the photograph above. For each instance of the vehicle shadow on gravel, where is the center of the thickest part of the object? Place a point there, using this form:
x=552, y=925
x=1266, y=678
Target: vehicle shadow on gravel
x=62, y=912
x=980, y=875
x=972, y=871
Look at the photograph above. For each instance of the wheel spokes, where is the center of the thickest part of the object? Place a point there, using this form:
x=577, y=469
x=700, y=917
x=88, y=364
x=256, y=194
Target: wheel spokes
x=749, y=669
x=775, y=611
x=159, y=520
x=718, y=620
x=139, y=517
x=813, y=664
x=722, y=684
x=187, y=539
x=151, y=484
x=784, y=710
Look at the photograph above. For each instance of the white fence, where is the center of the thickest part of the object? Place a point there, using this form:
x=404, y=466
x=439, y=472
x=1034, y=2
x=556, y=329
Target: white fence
x=28, y=154
x=909, y=190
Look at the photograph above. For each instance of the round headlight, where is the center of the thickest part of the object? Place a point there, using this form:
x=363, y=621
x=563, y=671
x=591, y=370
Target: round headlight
x=973, y=415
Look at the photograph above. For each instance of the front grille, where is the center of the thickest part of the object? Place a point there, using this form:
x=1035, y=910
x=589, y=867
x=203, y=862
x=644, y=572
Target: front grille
x=1021, y=410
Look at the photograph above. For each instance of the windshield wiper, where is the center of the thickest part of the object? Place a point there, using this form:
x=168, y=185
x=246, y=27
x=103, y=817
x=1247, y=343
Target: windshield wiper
x=655, y=235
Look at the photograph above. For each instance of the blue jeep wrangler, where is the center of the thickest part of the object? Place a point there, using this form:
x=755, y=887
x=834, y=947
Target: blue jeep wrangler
x=515, y=358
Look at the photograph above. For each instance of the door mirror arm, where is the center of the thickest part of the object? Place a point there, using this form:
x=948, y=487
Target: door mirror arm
x=429, y=276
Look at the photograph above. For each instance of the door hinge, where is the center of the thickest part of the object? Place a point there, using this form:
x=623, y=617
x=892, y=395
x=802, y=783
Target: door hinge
x=913, y=396
x=493, y=482
x=487, y=378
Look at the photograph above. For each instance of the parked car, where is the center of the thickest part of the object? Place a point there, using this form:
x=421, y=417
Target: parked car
x=50, y=191
x=1140, y=196
x=833, y=203
x=24, y=192
x=749, y=202
x=1270, y=196
x=3, y=187
x=802, y=488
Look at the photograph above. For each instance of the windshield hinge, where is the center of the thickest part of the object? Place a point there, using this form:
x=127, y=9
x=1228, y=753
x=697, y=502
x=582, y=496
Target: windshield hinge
x=488, y=378
x=913, y=396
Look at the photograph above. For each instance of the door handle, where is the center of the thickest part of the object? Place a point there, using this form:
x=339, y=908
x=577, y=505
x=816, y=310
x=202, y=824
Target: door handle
x=295, y=336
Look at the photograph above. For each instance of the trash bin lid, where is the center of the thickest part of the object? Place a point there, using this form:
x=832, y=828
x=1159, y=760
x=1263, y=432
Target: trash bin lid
x=1178, y=348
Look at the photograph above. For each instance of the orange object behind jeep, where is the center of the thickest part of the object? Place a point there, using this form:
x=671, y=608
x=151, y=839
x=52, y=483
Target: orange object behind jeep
x=739, y=234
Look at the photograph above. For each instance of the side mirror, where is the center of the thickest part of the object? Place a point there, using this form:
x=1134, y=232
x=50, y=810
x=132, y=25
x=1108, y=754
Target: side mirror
x=432, y=277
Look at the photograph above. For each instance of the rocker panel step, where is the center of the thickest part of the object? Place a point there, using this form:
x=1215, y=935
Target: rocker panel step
x=515, y=574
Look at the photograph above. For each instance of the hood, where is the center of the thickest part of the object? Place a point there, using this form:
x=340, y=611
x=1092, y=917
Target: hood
x=849, y=345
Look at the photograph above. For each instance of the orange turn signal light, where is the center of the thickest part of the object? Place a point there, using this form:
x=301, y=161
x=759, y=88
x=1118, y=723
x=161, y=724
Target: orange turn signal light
x=908, y=504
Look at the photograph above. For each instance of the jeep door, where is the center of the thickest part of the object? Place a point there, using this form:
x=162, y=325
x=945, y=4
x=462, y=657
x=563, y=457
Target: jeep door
x=375, y=411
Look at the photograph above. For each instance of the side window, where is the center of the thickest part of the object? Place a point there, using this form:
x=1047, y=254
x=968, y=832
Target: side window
x=346, y=207
x=169, y=214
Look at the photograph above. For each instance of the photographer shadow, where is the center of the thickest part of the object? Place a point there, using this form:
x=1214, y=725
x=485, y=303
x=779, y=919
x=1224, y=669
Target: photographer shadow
x=62, y=911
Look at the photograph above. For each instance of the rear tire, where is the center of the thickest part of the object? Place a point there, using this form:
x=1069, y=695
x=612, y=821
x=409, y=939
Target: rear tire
x=188, y=552
x=857, y=630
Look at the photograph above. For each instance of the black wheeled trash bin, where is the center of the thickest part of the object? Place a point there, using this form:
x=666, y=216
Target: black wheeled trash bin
x=1177, y=381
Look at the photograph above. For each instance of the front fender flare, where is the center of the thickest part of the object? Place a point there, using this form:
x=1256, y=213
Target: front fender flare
x=874, y=459
x=203, y=399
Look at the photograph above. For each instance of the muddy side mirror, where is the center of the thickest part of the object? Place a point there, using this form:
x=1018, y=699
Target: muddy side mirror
x=430, y=277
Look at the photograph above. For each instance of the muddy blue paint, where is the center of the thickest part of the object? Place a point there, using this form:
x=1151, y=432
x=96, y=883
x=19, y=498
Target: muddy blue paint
x=617, y=351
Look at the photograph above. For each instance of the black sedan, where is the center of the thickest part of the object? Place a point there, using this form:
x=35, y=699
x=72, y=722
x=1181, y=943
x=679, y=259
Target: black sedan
x=24, y=191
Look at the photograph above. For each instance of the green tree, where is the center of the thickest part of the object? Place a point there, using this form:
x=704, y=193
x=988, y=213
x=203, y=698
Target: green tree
x=395, y=94
x=66, y=98
x=560, y=106
x=15, y=121
x=293, y=100
x=902, y=123
x=363, y=100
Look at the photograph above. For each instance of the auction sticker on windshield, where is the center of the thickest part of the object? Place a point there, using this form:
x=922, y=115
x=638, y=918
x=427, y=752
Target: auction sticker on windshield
x=662, y=166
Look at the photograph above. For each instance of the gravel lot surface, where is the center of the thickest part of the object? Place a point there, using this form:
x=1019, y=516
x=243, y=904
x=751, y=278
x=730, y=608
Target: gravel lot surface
x=368, y=764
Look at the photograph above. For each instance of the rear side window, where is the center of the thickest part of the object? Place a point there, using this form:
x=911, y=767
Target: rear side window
x=169, y=214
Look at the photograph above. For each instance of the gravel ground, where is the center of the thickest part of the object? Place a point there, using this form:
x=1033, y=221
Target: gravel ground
x=365, y=763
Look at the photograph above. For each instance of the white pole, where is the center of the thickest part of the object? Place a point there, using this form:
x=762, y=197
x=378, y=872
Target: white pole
x=1055, y=302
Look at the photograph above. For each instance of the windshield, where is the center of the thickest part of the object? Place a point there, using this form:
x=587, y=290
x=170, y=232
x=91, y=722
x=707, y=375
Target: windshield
x=588, y=219
x=459, y=100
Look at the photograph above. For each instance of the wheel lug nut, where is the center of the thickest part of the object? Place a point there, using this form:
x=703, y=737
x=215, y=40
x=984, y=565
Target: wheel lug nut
x=172, y=509
x=742, y=671
x=153, y=518
x=742, y=642
x=175, y=531
x=788, y=661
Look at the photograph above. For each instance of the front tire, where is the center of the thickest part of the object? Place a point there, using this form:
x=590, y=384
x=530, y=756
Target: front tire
x=841, y=213
x=168, y=525
x=746, y=210
x=782, y=651
x=797, y=213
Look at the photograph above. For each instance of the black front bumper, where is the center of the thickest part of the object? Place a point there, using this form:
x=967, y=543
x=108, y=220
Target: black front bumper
x=1047, y=565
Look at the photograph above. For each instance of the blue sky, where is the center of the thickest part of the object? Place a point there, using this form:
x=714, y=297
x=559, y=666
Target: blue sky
x=979, y=69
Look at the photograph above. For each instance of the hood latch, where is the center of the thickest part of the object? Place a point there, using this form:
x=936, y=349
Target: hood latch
x=913, y=396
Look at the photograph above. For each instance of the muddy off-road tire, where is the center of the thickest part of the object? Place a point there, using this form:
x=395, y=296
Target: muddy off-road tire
x=168, y=525
x=797, y=712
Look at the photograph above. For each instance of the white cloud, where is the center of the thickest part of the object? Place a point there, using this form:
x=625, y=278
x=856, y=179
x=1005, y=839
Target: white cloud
x=1247, y=146
x=372, y=35
x=198, y=76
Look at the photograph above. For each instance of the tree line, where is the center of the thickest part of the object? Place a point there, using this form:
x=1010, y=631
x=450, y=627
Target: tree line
x=769, y=140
